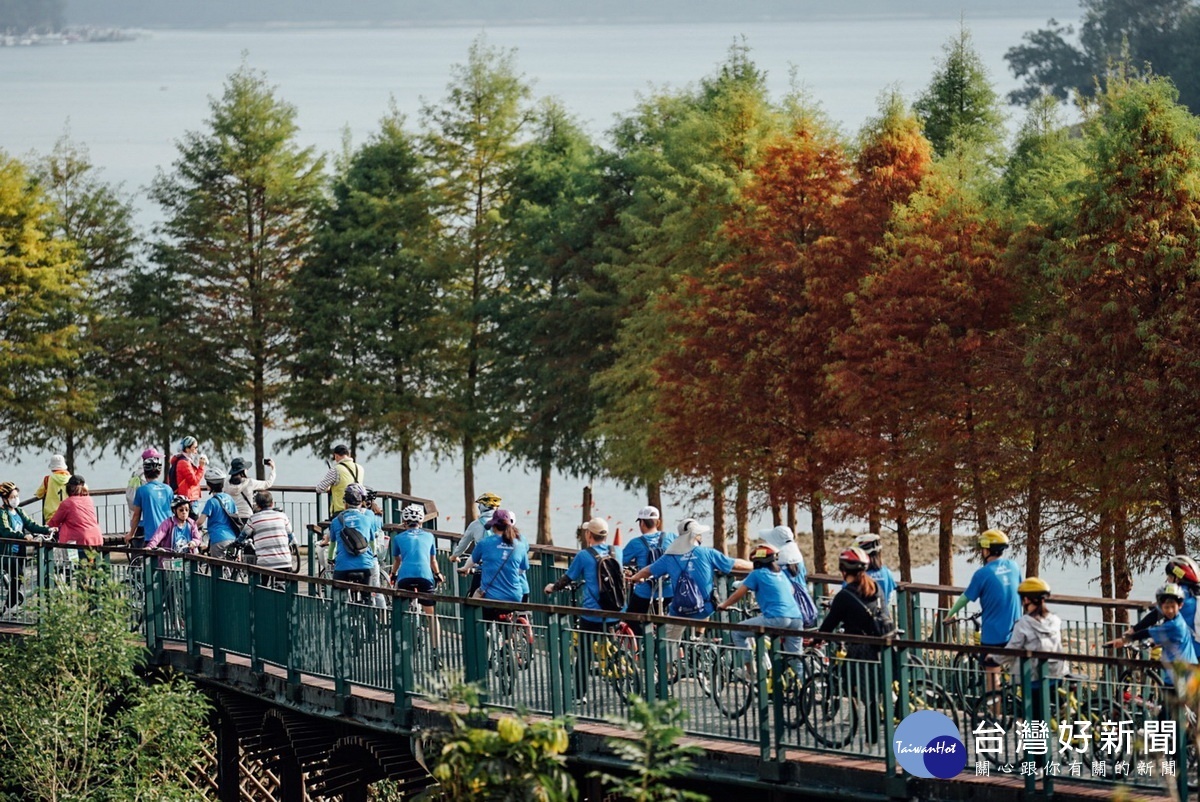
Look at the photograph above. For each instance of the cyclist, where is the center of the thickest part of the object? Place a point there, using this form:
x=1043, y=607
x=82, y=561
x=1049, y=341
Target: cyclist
x=1170, y=632
x=343, y=473
x=139, y=475
x=15, y=524
x=151, y=504
x=503, y=558
x=773, y=594
x=1037, y=630
x=414, y=561
x=852, y=607
x=53, y=488
x=872, y=544
x=75, y=519
x=994, y=586
x=641, y=552
x=790, y=559
x=241, y=488
x=584, y=568
x=188, y=466
x=473, y=535
x=1182, y=571
x=354, y=567
x=270, y=530
x=693, y=569
x=218, y=514
x=178, y=532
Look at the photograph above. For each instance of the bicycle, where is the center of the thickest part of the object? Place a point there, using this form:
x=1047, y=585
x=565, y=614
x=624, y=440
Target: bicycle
x=967, y=678
x=510, y=649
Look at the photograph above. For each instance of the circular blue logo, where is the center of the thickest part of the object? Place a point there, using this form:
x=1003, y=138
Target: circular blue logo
x=927, y=744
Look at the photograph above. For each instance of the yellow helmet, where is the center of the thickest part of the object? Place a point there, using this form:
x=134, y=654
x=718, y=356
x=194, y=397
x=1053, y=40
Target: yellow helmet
x=992, y=537
x=489, y=500
x=1034, y=586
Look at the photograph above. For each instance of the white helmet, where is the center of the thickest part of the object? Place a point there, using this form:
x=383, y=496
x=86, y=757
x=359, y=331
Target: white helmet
x=869, y=542
x=413, y=514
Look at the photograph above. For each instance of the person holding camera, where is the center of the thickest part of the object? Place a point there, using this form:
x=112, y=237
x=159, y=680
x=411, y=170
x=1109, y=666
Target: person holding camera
x=241, y=487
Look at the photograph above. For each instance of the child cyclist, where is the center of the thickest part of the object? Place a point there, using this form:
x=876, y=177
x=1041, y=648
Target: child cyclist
x=773, y=593
x=1037, y=630
x=1170, y=632
x=178, y=533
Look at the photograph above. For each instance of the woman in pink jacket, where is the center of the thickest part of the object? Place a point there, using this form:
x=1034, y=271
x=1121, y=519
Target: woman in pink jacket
x=75, y=517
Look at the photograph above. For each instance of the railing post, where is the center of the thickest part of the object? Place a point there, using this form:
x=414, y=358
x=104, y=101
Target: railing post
x=778, y=672
x=662, y=657
x=1181, y=744
x=764, y=698
x=214, y=618
x=903, y=618
x=189, y=612
x=1027, y=703
x=554, y=648
x=338, y=604
x=565, y=667
x=474, y=648
x=650, y=662
x=312, y=559
x=886, y=656
x=293, y=619
x=153, y=611
x=402, y=662
x=255, y=661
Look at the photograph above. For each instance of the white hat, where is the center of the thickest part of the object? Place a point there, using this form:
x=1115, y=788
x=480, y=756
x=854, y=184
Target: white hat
x=597, y=526
x=789, y=554
x=58, y=463
x=648, y=514
x=778, y=537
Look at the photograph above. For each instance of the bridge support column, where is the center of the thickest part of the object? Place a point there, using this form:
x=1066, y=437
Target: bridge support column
x=228, y=757
x=291, y=779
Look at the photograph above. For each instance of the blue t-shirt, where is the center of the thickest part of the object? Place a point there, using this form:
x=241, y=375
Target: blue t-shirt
x=1187, y=611
x=637, y=557
x=886, y=581
x=1176, y=642
x=414, y=547
x=504, y=567
x=994, y=586
x=700, y=563
x=218, y=508
x=365, y=522
x=154, y=500
x=583, y=568
x=773, y=592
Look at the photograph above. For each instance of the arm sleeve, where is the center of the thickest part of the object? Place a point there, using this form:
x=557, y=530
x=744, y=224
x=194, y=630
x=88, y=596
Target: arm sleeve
x=575, y=571
x=58, y=515
x=328, y=480
x=836, y=614
x=959, y=603
x=1146, y=622
x=269, y=482
x=41, y=489
x=30, y=526
x=159, y=534
x=723, y=562
x=975, y=587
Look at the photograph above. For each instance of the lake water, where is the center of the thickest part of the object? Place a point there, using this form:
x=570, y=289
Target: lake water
x=130, y=102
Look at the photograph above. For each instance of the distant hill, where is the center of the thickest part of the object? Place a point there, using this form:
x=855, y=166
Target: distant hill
x=221, y=13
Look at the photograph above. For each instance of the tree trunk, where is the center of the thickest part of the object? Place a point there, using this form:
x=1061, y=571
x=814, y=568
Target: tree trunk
x=776, y=512
x=791, y=513
x=1122, y=576
x=1174, y=499
x=902, y=544
x=406, y=470
x=1106, y=564
x=544, y=536
x=977, y=492
x=1033, y=508
x=816, y=507
x=260, y=416
x=946, y=548
x=741, y=512
x=586, y=505
x=718, y=494
x=874, y=520
x=69, y=450
x=654, y=495
x=468, y=447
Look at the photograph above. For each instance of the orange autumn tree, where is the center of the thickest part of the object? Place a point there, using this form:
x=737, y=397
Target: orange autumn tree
x=893, y=157
x=742, y=392
x=915, y=364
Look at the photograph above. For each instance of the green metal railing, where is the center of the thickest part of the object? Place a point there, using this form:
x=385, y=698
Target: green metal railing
x=548, y=664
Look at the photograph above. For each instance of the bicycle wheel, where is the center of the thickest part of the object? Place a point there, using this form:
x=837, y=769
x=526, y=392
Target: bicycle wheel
x=732, y=690
x=924, y=695
x=966, y=680
x=791, y=681
x=503, y=665
x=622, y=672
x=1141, y=688
x=828, y=714
x=997, y=720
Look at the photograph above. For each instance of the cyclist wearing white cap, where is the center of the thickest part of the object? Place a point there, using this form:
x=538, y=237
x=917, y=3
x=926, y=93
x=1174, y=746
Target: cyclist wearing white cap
x=641, y=552
x=692, y=568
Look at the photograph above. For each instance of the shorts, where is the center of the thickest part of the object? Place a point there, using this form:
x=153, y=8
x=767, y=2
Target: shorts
x=419, y=585
x=991, y=661
x=360, y=575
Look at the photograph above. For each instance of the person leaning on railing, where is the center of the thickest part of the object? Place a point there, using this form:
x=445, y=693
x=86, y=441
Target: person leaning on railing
x=75, y=518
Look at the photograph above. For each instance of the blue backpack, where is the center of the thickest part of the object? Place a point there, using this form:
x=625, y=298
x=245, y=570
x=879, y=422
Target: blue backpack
x=808, y=608
x=688, y=598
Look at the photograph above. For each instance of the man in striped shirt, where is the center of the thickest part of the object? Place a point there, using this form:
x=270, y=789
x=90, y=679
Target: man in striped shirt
x=271, y=532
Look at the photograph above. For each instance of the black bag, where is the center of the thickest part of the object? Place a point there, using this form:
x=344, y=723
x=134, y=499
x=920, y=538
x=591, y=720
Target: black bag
x=353, y=541
x=610, y=576
x=881, y=620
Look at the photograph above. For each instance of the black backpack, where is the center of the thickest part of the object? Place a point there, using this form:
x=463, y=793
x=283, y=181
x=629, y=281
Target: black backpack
x=610, y=576
x=172, y=477
x=881, y=620
x=353, y=540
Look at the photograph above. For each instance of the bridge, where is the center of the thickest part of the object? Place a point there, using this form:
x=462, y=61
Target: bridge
x=320, y=690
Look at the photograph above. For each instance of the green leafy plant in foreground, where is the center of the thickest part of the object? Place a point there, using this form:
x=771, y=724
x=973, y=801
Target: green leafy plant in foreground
x=654, y=754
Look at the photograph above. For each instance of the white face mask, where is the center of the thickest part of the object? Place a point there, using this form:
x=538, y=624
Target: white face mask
x=14, y=501
x=483, y=508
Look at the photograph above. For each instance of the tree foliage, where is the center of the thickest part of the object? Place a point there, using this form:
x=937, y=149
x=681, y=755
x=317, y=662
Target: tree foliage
x=960, y=107
x=239, y=209
x=76, y=719
x=653, y=753
x=1158, y=33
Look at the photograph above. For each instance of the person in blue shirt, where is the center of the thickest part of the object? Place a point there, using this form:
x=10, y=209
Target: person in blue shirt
x=700, y=565
x=885, y=580
x=503, y=557
x=414, y=563
x=151, y=504
x=773, y=594
x=994, y=586
x=640, y=552
x=583, y=569
x=1170, y=632
x=218, y=514
x=1183, y=571
x=354, y=567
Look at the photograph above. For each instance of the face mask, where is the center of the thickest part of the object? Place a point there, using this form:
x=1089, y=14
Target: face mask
x=483, y=508
x=14, y=501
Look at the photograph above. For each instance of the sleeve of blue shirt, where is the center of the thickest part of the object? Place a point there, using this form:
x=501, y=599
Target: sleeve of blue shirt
x=722, y=562
x=752, y=582
x=633, y=555
x=575, y=570
x=659, y=566
x=975, y=587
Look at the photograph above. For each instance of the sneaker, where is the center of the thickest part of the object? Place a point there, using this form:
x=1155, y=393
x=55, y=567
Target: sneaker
x=581, y=701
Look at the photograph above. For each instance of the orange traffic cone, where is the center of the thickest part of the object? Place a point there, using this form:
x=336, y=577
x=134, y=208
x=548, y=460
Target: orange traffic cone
x=617, y=537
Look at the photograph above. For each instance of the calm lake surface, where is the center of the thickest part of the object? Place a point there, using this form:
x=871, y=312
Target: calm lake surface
x=130, y=102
